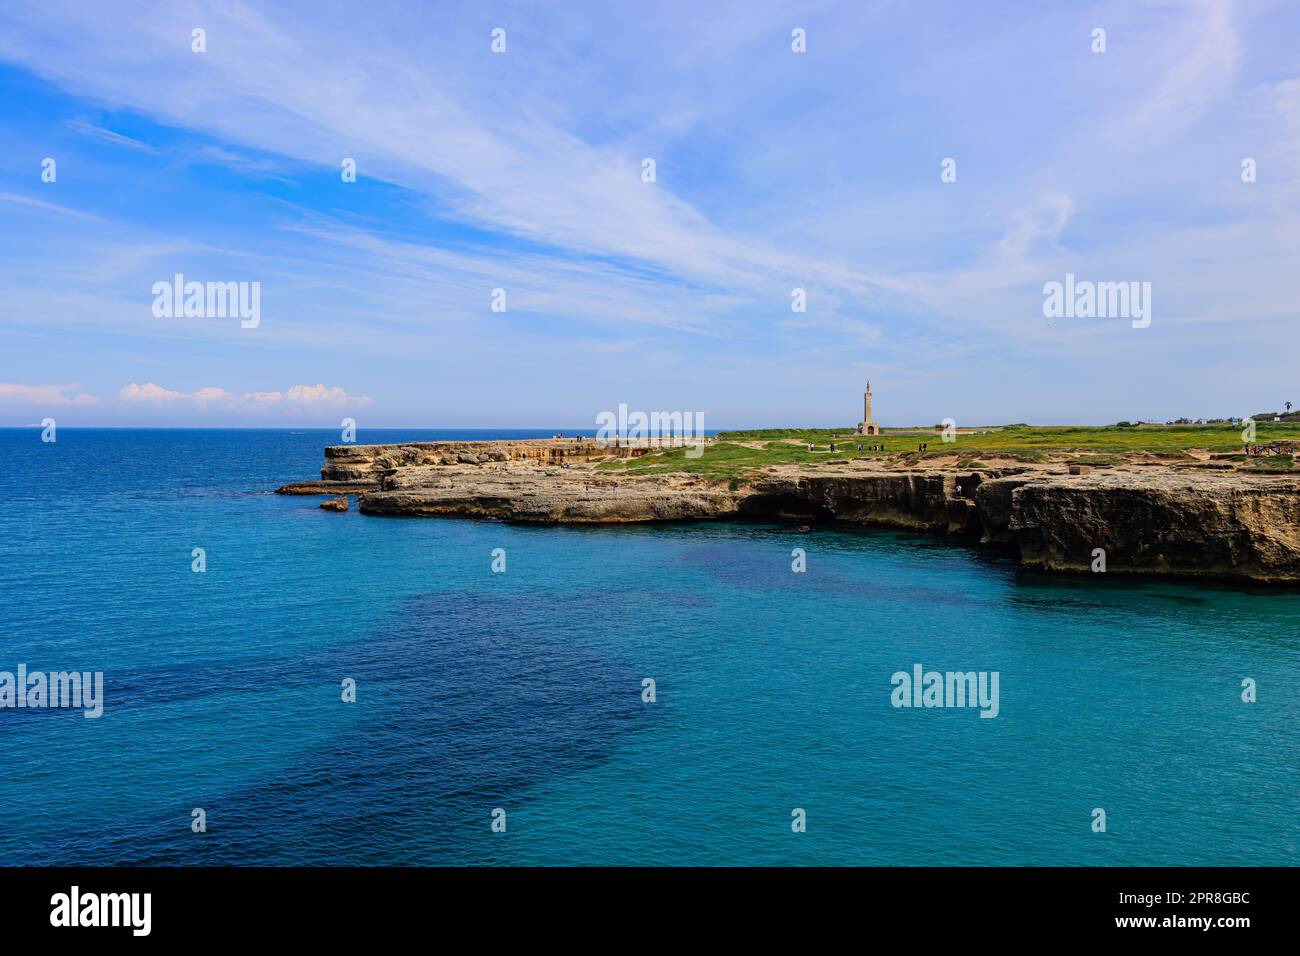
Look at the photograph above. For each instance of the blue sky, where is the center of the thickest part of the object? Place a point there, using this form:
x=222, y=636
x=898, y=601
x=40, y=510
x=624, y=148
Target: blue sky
x=522, y=171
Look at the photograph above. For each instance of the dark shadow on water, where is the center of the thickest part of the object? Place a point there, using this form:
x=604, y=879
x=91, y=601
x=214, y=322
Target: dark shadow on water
x=465, y=702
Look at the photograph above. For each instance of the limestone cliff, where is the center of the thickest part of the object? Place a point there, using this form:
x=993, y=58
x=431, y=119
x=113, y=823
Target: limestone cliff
x=1160, y=519
x=1153, y=521
x=350, y=462
x=547, y=495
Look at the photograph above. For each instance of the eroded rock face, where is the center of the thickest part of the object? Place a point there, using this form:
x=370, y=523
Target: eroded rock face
x=352, y=462
x=547, y=495
x=993, y=499
x=1180, y=522
x=335, y=504
x=905, y=500
x=1160, y=518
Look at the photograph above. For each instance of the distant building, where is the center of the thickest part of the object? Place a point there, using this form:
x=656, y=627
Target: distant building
x=868, y=425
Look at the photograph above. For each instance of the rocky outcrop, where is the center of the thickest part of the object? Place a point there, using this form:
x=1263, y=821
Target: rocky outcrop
x=926, y=501
x=352, y=462
x=993, y=500
x=1158, y=518
x=1229, y=525
x=329, y=487
x=548, y=495
x=335, y=504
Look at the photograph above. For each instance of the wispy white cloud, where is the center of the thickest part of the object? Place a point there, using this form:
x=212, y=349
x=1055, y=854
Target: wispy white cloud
x=522, y=175
x=522, y=171
x=107, y=135
x=48, y=206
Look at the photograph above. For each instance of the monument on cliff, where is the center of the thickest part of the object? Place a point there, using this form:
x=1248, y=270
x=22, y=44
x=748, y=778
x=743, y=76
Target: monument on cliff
x=867, y=426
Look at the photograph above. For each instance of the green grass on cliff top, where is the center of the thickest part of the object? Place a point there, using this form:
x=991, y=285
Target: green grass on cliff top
x=728, y=459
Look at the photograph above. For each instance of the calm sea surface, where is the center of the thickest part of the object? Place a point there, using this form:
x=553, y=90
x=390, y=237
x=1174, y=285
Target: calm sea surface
x=523, y=690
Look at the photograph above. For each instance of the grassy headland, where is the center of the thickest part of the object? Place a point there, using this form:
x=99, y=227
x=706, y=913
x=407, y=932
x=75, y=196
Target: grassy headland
x=736, y=453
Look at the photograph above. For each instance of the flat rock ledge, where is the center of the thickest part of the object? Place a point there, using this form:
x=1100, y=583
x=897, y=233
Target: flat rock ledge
x=1151, y=520
x=328, y=487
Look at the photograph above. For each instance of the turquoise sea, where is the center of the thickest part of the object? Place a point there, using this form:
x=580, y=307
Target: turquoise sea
x=523, y=690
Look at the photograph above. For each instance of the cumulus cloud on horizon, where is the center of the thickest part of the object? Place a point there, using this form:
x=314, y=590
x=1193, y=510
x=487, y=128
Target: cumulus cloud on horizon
x=44, y=395
x=297, y=398
x=149, y=392
x=306, y=396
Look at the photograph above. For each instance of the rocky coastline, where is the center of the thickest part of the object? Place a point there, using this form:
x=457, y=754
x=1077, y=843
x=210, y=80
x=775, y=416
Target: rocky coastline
x=1148, y=516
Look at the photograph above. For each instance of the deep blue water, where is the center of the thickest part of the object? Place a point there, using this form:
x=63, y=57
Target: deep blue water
x=522, y=690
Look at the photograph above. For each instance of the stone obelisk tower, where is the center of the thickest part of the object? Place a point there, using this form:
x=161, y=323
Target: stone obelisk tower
x=867, y=426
